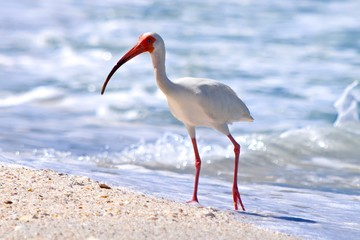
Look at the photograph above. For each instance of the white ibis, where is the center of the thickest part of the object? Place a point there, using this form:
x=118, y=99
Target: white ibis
x=193, y=101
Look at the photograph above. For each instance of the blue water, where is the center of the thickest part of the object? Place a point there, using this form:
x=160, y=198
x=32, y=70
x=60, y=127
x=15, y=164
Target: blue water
x=296, y=64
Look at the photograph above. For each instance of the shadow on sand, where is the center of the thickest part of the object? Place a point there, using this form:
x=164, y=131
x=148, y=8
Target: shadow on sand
x=287, y=218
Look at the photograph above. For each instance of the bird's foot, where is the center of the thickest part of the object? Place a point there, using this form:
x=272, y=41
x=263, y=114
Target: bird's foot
x=237, y=199
x=193, y=201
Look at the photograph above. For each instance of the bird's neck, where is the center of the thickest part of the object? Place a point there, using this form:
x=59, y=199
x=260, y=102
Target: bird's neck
x=158, y=60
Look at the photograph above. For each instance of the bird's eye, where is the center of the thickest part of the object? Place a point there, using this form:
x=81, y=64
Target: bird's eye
x=149, y=40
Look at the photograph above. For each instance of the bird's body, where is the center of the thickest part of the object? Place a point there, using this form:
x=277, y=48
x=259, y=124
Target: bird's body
x=193, y=101
x=205, y=102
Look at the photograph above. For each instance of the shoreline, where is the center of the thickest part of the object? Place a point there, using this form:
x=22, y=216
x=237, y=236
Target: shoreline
x=44, y=204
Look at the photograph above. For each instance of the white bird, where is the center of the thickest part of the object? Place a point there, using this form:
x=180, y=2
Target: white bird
x=193, y=101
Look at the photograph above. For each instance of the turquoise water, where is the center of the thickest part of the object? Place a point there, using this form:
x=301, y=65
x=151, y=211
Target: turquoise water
x=295, y=64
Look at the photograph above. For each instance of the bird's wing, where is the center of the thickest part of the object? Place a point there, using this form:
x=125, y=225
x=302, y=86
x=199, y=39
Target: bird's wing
x=221, y=103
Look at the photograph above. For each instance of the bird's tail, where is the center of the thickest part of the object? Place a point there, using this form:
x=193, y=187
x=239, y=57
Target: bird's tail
x=248, y=118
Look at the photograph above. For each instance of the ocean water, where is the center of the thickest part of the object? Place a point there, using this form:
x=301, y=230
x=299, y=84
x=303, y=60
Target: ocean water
x=296, y=64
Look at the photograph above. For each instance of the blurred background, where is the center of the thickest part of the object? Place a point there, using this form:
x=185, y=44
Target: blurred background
x=296, y=64
x=289, y=61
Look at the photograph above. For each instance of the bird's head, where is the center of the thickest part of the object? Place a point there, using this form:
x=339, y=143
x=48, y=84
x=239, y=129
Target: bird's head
x=148, y=42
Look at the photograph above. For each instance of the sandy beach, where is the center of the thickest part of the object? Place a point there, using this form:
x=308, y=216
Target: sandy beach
x=43, y=204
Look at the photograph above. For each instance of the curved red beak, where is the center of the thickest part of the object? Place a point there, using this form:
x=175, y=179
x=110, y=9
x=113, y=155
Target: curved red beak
x=143, y=45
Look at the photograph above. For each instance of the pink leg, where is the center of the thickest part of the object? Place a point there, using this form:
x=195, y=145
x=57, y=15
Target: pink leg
x=236, y=194
x=197, y=172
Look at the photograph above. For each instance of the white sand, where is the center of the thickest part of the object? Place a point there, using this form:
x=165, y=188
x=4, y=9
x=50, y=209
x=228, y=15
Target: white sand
x=43, y=204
